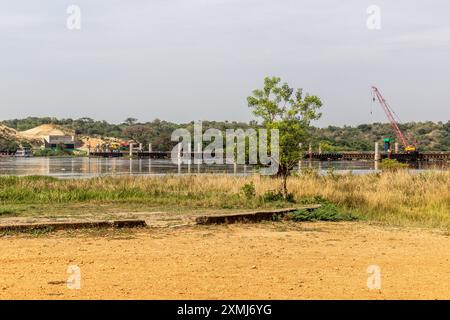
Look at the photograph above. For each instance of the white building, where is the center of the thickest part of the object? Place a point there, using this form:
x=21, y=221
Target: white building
x=67, y=142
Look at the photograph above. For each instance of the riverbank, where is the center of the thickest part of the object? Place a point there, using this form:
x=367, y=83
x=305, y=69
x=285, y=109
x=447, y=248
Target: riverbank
x=392, y=198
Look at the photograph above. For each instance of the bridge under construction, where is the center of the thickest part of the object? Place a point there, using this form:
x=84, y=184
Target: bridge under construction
x=317, y=156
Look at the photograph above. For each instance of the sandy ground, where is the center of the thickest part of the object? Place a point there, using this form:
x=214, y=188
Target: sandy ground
x=255, y=261
x=45, y=130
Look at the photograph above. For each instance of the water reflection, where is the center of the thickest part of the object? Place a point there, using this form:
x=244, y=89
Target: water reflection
x=90, y=167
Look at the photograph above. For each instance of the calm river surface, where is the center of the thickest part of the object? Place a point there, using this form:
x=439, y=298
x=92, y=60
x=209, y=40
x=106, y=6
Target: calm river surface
x=92, y=167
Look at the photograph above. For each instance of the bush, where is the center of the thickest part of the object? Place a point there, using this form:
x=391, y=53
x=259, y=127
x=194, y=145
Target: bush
x=392, y=165
x=274, y=196
x=52, y=152
x=249, y=190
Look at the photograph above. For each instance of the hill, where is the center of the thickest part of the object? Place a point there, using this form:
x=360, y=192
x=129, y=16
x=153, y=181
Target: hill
x=7, y=133
x=10, y=139
x=429, y=135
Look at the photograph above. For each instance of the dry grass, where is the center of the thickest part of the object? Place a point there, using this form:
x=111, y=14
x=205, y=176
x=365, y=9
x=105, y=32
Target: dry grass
x=398, y=198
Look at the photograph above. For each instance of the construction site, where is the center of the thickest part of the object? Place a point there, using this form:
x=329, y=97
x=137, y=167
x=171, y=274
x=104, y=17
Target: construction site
x=223, y=157
x=399, y=146
x=403, y=149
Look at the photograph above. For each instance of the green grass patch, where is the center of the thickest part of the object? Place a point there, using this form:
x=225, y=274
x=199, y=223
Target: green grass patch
x=8, y=212
x=327, y=212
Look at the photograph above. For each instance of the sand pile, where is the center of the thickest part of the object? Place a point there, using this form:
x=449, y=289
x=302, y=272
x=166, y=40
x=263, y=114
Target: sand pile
x=93, y=142
x=46, y=130
x=35, y=136
x=11, y=134
x=7, y=133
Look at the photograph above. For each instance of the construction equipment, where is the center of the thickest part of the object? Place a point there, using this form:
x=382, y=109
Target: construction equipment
x=387, y=144
x=408, y=147
x=114, y=146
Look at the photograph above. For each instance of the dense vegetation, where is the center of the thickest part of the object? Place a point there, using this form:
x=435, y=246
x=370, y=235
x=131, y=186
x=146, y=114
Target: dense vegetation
x=7, y=145
x=430, y=135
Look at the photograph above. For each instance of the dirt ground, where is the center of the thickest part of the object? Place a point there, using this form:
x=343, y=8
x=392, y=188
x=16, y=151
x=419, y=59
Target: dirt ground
x=277, y=260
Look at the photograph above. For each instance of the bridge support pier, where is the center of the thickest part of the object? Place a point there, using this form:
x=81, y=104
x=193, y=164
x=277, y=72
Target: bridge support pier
x=377, y=152
x=198, y=156
x=179, y=158
x=149, y=158
x=190, y=158
x=131, y=149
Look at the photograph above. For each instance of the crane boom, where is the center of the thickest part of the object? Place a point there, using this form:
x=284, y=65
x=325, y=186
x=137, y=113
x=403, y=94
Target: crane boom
x=393, y=122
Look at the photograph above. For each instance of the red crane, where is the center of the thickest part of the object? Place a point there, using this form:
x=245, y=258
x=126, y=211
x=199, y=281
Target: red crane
x=389, y=113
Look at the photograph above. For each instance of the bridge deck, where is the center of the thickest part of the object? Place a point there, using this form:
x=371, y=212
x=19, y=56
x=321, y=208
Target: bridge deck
x=328, y=156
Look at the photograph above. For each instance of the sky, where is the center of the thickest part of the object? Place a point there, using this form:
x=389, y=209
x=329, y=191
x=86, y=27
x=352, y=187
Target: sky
x=185, y=60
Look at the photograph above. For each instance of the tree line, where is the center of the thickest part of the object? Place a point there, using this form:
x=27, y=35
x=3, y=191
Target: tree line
x=431, y=136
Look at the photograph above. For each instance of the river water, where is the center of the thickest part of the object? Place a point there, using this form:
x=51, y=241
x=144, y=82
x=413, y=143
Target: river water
x=93, y=167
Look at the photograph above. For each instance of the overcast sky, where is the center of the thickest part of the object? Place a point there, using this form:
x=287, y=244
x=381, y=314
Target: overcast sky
x=183, y=60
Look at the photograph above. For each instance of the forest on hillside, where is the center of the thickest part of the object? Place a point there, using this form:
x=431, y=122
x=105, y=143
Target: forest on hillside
x=430, y=136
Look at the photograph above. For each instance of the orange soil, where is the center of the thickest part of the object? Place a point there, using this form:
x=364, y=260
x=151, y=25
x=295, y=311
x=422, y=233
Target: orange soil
x=256, y=261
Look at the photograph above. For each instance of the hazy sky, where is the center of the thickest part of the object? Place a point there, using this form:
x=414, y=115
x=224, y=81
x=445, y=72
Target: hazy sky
x=183, y=60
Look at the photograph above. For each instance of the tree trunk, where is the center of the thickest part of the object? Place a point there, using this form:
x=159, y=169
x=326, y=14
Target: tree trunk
x=284, y=189
x=284, y=172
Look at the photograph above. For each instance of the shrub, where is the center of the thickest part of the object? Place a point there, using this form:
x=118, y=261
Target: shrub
x=249, y=190
x=52, y=152
x=326, y=212
x=274, y=196
x=392, y=165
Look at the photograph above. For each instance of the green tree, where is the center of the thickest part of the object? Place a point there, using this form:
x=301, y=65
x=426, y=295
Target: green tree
x=130, y=121
x=288, y=110
x=140, y=134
